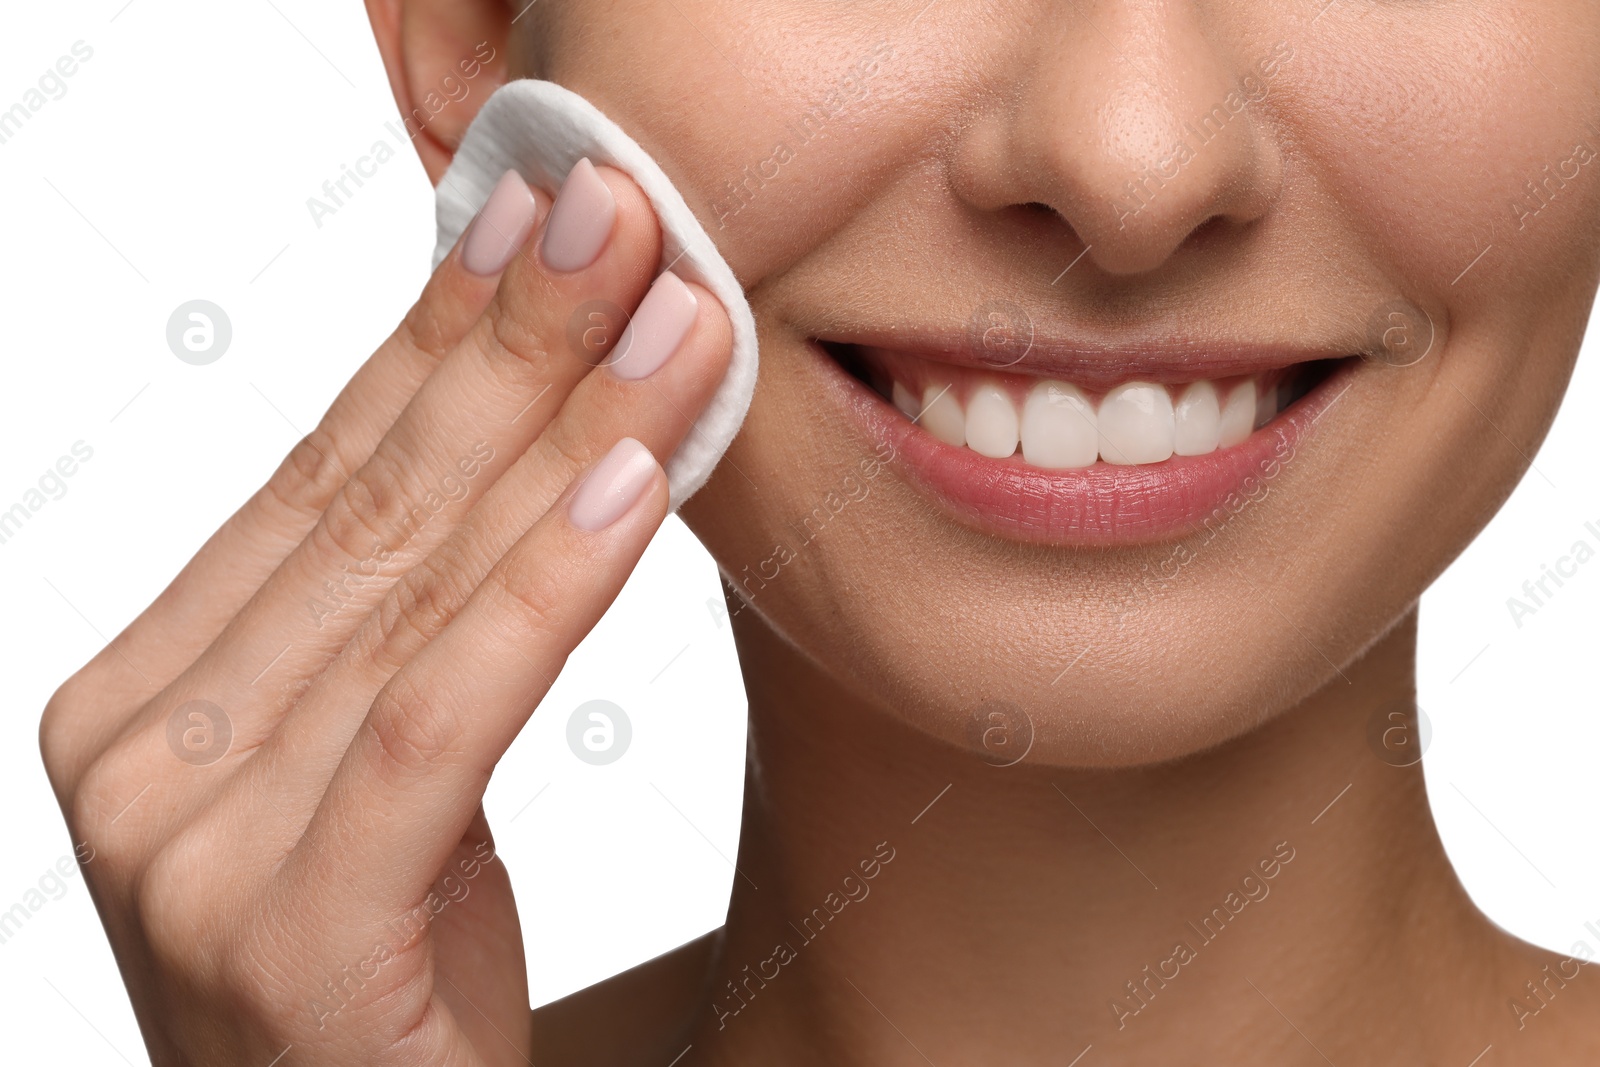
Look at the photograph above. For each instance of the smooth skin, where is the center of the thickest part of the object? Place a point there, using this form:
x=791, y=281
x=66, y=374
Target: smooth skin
x=1181, y=738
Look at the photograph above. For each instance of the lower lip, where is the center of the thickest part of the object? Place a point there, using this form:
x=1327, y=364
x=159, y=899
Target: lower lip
x=1098, y=505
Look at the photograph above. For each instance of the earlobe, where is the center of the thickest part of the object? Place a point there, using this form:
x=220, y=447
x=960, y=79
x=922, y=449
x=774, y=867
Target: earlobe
x=444, y=58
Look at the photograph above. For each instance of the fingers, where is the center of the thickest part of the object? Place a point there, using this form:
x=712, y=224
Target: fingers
x=410, y=782
x=657, y=408
x=466, y=424
x=470, y=420
x=168, y=635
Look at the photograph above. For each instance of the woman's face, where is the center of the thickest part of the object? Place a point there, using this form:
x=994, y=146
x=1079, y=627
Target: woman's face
x=972, y=199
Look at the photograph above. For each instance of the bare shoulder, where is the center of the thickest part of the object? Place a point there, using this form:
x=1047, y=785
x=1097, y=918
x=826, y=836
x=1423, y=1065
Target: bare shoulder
x=1553, y=1017
x=1572, y=1012
x=638, y=1016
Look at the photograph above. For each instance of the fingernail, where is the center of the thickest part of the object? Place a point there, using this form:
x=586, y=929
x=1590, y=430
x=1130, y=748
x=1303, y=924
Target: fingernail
x=580, y=221
x=612, y=486
x=501, y=227
x=656, y=329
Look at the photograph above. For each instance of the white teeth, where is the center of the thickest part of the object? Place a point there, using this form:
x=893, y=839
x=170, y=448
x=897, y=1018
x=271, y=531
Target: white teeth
x=1059, y=427
x=1266, y=407
x=1199, y=420
x=942, y=415
x=1238, y=414
x=906, y=401
x=1136, y=424
x=991, y=422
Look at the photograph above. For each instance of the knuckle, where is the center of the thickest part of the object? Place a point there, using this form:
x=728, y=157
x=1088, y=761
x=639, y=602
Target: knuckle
x=424, y=328
x=534, y=592
x=106, y=794
x=406, y=1019
x=419, y=606
x=309, y=475
x=61, y=727
x=513, y=346
x=88, y=799
x=175, y=900
x=412, y=729
x=57, y=742
x=368, y=513
x=568, y=446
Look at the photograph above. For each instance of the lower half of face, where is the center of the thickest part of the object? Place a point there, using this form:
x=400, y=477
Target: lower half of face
x=1130, y=370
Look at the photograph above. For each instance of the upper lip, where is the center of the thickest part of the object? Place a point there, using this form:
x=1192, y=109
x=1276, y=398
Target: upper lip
x=1094, y=364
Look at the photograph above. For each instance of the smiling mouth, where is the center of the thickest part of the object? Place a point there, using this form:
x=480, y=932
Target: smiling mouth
x=1074, y=445
x=1054, y=424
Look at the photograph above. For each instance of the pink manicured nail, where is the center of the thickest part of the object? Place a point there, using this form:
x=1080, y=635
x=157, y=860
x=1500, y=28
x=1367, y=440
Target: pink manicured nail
x=656, y=329
x=580, y=221
x=612, y=486
x=500, y=228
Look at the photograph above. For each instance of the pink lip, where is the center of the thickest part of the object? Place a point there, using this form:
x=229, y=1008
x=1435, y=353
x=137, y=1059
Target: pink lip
x=1098, y=505
x=1093, y=366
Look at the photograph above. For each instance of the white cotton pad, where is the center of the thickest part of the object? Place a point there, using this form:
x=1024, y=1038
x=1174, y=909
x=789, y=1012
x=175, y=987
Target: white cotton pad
x=541, y=130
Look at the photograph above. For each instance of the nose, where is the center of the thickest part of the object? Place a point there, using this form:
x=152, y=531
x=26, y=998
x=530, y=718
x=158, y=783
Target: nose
x=1135, y=126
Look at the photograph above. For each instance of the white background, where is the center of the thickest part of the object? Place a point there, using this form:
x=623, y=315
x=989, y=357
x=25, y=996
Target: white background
x=177, y=166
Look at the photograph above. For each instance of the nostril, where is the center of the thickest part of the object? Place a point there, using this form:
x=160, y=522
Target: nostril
x=1037, y=217
x=1036, y=208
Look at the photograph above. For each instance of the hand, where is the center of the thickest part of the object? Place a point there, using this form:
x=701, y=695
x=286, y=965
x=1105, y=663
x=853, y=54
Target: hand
x=278, y=768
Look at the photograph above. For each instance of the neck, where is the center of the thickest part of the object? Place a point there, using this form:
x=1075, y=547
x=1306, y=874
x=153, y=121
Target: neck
x=900, y=901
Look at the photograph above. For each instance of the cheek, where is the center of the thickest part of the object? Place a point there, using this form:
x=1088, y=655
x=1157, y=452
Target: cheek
x=1458, y=154
x=776, y=125
x=1444, y=134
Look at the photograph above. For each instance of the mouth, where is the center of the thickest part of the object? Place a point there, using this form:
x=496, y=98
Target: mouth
x=1079, y=446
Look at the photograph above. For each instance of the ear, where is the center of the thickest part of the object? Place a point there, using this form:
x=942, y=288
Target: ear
x=444, y=58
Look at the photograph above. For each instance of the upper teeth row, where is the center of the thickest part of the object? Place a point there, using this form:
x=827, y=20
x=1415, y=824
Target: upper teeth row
x=1060, y=427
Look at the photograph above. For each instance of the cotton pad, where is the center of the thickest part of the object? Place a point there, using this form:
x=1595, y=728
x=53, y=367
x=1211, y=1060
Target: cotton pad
x=541, y=130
